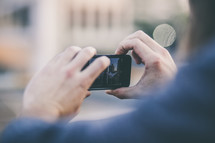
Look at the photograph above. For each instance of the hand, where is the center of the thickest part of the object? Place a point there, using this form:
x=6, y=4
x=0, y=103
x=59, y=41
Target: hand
x=159, y=65
x=60, y=87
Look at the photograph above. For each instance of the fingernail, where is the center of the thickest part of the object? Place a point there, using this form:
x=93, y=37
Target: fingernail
x=109, y=92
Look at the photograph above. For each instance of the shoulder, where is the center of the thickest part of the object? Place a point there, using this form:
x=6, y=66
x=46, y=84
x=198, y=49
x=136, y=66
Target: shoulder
x=206, y=56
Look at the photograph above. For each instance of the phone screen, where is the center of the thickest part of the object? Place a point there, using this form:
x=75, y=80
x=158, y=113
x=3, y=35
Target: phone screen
x=116, y=75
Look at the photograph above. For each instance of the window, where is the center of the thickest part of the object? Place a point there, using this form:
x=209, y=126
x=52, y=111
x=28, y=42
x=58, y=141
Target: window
x=71, y=18
x=97, y=19
x=83, y=17
x=110, y=19
x=21, y=16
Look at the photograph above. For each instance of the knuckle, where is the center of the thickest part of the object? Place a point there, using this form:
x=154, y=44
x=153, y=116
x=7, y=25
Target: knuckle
x=122, y=47
x=121, y=44
x=73, y=49
x=69, y=73
x=69, y=51
x=165, y=52
x=82, y=59
x=157, y=62
x=84, y=84
x=137, y=42
x=89, y=50
x=139, y=33
x=87, y=53
x=85, y=56
x=119, y=94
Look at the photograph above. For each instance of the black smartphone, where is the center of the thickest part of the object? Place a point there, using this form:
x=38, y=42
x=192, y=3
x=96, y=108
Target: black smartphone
x=116, y=75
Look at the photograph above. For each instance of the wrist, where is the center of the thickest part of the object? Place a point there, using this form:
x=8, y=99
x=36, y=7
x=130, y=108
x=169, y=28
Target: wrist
x=42, y=113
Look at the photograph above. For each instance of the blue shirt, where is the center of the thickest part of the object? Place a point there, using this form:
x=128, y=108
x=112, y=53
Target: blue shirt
x=183, y=113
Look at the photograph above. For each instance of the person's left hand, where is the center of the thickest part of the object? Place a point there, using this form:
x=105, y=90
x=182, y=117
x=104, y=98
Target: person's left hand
x=61, y=86
x=159, y=66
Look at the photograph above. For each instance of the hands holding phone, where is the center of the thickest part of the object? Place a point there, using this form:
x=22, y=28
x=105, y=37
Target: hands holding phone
x=159, y=65
x=60, y=87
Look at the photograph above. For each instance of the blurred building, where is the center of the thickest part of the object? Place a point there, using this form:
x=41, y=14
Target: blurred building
x=95, y=22
x=98, y=23
x=41, y=28
x=159, y=10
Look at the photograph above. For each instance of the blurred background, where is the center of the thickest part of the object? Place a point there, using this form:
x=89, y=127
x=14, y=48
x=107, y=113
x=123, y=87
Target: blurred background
x=33, y=31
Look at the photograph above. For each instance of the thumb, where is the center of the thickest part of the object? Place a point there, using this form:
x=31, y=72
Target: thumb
x=122, y=93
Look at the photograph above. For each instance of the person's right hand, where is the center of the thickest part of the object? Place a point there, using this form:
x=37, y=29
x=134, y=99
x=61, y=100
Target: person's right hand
x=159, y=65
x=61, y=86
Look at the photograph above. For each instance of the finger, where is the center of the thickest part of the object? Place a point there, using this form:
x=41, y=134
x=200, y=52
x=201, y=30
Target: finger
x=151, y=43
x=94, y=70
x=136, y=58
x=82, y=58
x=68, y=55
x=122, y=93
x=88, y=94
x=121, y=50
x=140, y=48
x=119, y=93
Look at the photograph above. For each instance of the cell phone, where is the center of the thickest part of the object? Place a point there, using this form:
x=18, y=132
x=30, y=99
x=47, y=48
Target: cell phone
x=116, y=75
